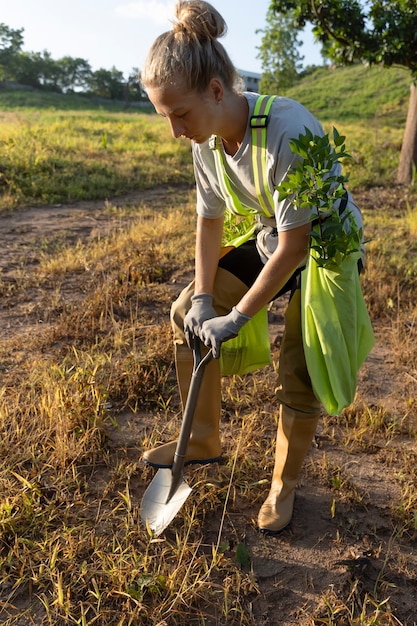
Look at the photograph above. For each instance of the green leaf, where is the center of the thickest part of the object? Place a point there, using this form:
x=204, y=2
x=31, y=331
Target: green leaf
x=242, y=555
x=311, y=185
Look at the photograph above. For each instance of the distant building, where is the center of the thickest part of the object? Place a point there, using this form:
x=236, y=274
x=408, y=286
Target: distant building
x=251, y=80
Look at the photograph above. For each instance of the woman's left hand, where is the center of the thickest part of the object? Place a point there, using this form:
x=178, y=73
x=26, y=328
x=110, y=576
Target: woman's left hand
x=222, y=328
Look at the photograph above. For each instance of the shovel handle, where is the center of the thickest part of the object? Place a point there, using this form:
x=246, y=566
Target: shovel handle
x=199, y=361
x=189, y=410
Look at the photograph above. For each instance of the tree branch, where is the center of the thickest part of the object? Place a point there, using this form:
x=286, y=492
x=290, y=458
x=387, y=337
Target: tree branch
x=321, y=20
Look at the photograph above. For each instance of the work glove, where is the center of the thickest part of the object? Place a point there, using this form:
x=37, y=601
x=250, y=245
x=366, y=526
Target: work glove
x=222, y=328
x=201, y=310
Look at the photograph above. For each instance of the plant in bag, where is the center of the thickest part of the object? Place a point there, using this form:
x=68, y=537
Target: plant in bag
x=335, y=324
x=236, y=226
x=311, y=184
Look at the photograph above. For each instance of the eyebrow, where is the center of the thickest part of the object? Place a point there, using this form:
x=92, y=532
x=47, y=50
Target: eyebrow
x=176, y=111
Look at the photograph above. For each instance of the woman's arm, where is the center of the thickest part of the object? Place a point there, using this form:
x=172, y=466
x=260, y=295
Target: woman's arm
x=207, y=252
x=292, y=249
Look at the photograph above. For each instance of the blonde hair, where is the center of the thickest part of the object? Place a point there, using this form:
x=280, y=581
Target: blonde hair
x=190, y=51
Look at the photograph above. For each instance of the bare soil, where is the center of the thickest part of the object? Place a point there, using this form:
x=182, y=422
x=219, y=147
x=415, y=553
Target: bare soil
x=349, y=554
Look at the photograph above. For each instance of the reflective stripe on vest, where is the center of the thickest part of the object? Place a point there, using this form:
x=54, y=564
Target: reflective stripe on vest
x=230, y=197
x=258, y=123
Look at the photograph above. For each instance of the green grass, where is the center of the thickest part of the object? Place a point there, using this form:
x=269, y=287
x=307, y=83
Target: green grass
x=54, y=156
x=369, y=106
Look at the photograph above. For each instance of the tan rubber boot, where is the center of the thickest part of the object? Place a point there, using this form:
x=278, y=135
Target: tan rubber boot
x=294, y=436
x=204, y=444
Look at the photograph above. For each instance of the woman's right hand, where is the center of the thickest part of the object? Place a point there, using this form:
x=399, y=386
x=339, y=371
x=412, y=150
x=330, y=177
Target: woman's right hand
x=201, y=311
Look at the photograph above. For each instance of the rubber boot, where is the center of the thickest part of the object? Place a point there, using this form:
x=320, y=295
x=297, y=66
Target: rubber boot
x=204, y=443
x=294, y=436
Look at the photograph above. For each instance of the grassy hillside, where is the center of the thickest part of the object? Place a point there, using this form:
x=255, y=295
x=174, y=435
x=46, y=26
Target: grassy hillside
x=355, y=93
x=36, y=99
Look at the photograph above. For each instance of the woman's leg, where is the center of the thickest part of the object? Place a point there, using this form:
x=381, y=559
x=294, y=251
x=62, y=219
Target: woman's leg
x=299, y=415
x=204, y=443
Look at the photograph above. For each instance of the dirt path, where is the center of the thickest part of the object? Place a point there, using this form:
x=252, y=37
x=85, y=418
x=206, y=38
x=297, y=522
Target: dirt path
x=25, y=231
x=320, y=554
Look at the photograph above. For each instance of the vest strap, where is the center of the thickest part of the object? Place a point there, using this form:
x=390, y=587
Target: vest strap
x=258, y=123
x=229, y=195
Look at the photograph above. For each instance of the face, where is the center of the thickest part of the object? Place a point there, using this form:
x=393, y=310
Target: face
x=191, y=114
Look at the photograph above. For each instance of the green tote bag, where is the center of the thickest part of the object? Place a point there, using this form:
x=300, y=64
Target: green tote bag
x=337, y=331
x=250, y=350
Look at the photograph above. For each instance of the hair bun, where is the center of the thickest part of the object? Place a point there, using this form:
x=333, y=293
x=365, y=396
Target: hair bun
x=198, y=19
x=190, y=51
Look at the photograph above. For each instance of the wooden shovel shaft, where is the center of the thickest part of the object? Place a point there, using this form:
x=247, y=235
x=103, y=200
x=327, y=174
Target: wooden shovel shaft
x=187, y=420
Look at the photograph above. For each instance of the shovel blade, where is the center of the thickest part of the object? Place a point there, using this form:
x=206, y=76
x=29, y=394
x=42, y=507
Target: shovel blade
x=156, y=512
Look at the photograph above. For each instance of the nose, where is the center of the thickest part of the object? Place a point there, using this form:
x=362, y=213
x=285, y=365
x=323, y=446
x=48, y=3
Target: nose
x=177, y=129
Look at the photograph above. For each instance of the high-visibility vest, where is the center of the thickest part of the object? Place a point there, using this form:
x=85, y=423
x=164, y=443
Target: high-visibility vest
x=258, y=123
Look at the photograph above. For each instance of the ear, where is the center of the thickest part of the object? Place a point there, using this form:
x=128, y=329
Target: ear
x=216, y=89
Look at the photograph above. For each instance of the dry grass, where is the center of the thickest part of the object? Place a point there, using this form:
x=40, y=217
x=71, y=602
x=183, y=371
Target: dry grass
x=72, y=548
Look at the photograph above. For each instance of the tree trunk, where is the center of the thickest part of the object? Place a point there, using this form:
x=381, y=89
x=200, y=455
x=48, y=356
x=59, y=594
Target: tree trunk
x=408, y=155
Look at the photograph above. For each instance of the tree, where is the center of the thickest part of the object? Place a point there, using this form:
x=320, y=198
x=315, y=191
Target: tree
x=40, y=70
x=11, y=42
x=29, y=69
x=136, y=90
x=107, y=83
x=278, y=53
x=73, y=73
x=48, y=70
x=380, y=32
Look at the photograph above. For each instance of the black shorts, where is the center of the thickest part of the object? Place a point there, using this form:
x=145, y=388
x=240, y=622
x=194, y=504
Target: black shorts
x=245, y=263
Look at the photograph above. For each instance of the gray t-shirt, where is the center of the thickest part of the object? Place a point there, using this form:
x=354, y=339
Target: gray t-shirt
x=287, y=120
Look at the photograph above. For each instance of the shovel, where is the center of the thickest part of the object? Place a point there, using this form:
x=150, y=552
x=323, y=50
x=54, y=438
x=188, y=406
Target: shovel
x=168, y=490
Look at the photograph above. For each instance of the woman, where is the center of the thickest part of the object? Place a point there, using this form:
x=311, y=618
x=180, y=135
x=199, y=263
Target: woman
x=191, y=82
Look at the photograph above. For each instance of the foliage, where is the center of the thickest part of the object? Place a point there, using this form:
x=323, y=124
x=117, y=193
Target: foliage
x=236, y=226
x=65, y=75
x=40, y=70
x=379, y=31
x=107, y=83
x=281, y=60
x=11, y=41
x=314, y=183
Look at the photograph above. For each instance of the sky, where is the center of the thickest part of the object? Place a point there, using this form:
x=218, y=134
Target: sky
x=119, y=33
